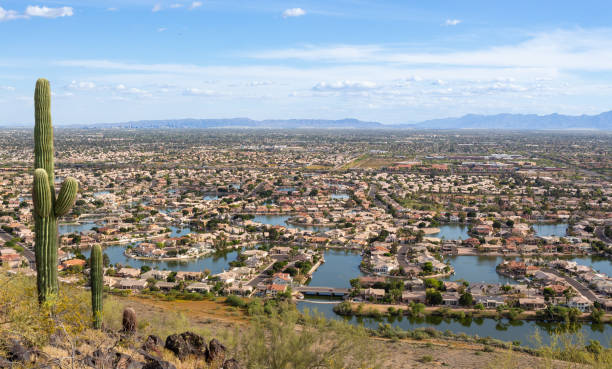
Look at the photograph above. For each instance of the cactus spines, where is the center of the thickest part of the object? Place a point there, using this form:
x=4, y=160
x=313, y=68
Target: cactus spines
x=96, y=285
x=46, y=208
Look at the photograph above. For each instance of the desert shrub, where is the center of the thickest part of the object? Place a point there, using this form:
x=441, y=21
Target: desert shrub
x=22, y=318
x=318, y=343
x=236, y=301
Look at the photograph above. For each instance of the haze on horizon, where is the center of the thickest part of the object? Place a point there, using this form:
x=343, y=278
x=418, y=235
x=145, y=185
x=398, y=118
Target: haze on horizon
x=386, y=61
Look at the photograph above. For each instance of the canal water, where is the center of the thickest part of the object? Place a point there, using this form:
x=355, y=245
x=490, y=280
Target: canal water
x=76, y=228
x=505, y=330
x=282, y=221
x=339, y=268
x=216, y=263
x=452, y=232
x=548, y=229
x=477, y=269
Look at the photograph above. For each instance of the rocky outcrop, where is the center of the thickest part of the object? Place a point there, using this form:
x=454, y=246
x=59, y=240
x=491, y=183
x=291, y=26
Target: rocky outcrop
x=154, y=362
x=215, y=353
x=153, y=344
x=231, y=364
x=186, y=344
x=111, y=359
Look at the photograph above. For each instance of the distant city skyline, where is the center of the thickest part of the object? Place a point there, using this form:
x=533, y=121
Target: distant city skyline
x=384, y=61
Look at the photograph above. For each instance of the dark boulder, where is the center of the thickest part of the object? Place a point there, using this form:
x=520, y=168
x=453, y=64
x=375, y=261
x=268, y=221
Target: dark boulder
x=231, y=364
x=16, y=351
x=153, y=343
x=155, y=362
x=215, y=353
x=185, y=344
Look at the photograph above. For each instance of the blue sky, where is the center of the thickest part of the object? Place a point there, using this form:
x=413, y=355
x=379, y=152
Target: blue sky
x=389, y=61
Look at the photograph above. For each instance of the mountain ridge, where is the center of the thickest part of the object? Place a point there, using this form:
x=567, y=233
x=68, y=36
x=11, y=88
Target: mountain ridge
x=504, y=121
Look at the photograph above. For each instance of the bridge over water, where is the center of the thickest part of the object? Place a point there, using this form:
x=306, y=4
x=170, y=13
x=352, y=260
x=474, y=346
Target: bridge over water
x=323, y=291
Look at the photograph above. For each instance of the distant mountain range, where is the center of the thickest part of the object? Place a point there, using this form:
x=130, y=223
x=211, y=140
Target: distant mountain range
x=602, y=122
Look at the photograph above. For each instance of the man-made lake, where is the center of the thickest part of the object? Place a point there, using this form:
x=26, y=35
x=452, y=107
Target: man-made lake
x=452, y=232
x=339, y=268
x=523, y=331
x=76, y=228
x=216, y=263
x=477, y=269
x=282, y=221
x=548, y=229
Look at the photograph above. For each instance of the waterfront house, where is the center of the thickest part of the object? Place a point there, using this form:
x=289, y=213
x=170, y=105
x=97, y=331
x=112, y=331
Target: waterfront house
x=282, y=279
x=580, y=302
x=490, y=302
x=132, y=284
x=188, y=276
x=413, y=296
x=160, y=275
x=532, y=303
x=128, y=272
x=274, y=289
x=198, y=287
x=373, y=293
x=450, y=299
x=165, y=286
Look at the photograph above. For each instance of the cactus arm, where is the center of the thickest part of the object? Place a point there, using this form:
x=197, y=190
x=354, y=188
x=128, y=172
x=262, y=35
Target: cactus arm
x=96, y=276
x=43, y=130
x=41, y=193
x=66, y=197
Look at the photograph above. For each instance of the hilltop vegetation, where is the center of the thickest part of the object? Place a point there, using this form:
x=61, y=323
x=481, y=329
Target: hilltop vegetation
x=58, y=333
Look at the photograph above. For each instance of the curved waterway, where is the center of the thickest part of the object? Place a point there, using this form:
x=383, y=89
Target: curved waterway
x=339, y=268
x=548, y=229
x=452, y=232
x=216, y=262
x=505, y=330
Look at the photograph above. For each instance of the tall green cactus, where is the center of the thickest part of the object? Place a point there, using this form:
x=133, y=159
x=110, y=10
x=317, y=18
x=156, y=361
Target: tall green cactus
x=96, y=276
x=47, y=208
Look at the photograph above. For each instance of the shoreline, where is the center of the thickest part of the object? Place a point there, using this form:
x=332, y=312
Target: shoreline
x=369, y=310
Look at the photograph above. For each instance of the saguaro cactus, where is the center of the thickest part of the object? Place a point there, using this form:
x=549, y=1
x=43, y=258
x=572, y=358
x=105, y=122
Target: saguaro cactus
x=47, y=208
x=96, y=285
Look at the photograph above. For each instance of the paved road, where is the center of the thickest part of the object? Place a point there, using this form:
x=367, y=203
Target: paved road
x=599, y=232
x=402, y=252
x=586, y=292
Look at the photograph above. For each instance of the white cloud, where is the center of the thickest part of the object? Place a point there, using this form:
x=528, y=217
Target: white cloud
x=344, y=85
x=38, y=11
x=564, y=50
x=112, y=9
x=162, y=29
x=198, y=92
x=83, y=85
x=156, y=8
x=6, y=15
x=176, y=6
x=7, y=88
x=195, y=4
x=294, y=12
x=452, y=22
